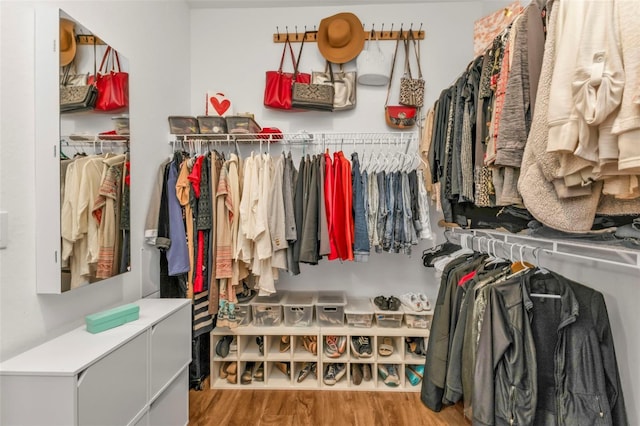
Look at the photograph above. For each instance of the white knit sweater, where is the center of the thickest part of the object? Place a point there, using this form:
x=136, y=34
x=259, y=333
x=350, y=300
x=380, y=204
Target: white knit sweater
x=588, y=78
x=627, y=123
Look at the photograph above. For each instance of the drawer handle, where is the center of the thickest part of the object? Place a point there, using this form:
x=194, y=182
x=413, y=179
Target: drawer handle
x=330, y=309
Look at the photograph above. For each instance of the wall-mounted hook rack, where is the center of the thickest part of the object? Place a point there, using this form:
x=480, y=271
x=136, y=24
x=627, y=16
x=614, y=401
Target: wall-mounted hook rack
x=88, y=39
x=311, y=36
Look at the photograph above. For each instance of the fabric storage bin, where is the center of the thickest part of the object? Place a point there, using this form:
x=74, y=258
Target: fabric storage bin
x=212, y=125
x=389, y=319
x=243, y=313
x=239, y=125
x=298, y=308
x=415, y=319
x=330, y=308
x=359, y=312
x=267, y=310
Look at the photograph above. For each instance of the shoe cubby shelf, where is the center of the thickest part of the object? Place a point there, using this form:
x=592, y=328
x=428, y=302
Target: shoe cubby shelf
x=280, y=368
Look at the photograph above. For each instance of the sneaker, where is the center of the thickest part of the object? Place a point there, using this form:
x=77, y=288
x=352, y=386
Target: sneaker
x=330, y=375
x=389, y=374
x=426, y=303
x=356, y=374
x=342, y=344
x=306, y=370
x=334, y=373
x=233, y=346
x=411, y=301
x=361, y=346
x=341, y=370
x=331, y=346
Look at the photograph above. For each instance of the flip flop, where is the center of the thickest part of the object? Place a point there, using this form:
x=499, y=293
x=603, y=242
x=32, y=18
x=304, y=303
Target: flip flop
x=386, y=347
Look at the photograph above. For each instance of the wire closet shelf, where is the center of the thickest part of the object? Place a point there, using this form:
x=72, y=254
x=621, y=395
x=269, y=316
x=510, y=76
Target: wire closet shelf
x=523, y=247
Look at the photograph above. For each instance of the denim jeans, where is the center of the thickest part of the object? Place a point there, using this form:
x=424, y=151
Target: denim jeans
x=382, y=209
x=398, y=220
x=387, y=239
x=374, y=200
x=361, y=239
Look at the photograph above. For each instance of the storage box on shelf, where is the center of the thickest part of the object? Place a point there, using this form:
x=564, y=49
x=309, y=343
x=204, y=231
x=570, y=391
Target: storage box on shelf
x=391, y=319
x=330, y=308
x=359, y=312
x=267, y=310
x=418, y=319
x=243, y=313
x=298, y=308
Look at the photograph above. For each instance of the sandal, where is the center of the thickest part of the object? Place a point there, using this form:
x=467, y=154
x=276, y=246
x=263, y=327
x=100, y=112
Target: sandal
x=386, y=347
x=285, y=343
x=382, y=303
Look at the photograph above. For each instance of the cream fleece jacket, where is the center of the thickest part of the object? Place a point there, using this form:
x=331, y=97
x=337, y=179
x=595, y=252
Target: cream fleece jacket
x=627, y=123
x=588, y=78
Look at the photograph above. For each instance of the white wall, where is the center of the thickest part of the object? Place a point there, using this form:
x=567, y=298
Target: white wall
x=236, y=66
x=154, y=36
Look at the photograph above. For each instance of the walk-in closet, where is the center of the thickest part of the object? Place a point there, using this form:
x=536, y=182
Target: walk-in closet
x=423, y=212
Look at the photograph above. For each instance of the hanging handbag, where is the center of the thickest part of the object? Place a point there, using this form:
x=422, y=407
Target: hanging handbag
x=344, y=86
x=112, y=83
x=75, y=93
x=398, y=116
x=279, y=84
x=411, y=89
x=372, y=64
x=318, y=97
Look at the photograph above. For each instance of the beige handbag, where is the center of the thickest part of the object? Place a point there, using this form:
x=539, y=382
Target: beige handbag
x=344, y=84
x=411, y=89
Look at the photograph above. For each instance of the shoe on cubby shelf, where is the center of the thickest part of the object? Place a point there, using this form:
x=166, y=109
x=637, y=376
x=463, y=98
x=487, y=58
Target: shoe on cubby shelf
x=356, y=374
x=307, y=368
x=258, y=374
x=361, y=346
x=389, y=374
x=333, y=373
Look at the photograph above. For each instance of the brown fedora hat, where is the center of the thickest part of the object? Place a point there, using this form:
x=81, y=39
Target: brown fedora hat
x=340, y=37
x=67, y=42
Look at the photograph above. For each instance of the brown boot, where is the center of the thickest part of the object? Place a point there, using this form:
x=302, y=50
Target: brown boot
x=259, y=374
x=223, y=370
x=245, y=379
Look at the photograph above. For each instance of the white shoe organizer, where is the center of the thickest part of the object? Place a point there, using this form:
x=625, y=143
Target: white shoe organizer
x=297, y=356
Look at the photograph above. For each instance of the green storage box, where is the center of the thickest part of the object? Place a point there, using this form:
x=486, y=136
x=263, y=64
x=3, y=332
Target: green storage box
x=111, y=318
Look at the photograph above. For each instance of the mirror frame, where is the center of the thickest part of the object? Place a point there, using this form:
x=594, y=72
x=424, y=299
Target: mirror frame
x=47, y=128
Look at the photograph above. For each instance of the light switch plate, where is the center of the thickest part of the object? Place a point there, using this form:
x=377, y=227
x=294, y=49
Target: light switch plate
x=4, y=229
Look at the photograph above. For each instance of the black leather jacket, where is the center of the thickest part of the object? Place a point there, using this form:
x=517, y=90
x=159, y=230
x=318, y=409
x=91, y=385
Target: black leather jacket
x=544, y=361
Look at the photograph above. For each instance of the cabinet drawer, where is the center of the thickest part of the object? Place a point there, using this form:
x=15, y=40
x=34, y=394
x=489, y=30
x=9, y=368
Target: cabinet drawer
x=171, y=408
x=113, y=390
x=170, y=348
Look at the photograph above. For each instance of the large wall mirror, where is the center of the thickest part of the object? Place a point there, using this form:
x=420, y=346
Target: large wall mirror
x=85, y=115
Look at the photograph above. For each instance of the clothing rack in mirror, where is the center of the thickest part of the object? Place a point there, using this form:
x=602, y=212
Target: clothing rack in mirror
x=528, y=248
x=95, y=143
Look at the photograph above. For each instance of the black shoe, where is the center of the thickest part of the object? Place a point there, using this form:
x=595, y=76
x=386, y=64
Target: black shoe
x=382, y=303
x=260, y=342
x=222, y=347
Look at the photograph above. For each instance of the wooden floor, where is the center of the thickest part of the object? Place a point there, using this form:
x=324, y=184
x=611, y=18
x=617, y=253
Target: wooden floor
x=335, y=408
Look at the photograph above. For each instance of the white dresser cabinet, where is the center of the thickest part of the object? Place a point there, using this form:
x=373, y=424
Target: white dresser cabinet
x=135, y=374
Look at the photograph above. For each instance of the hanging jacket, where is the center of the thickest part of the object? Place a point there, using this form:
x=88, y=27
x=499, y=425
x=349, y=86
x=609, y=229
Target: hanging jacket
x=544, y=361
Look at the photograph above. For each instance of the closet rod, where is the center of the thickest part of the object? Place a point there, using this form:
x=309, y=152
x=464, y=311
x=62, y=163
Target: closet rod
x=603, y=254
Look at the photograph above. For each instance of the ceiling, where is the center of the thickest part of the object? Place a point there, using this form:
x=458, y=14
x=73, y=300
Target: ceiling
x=199, y=4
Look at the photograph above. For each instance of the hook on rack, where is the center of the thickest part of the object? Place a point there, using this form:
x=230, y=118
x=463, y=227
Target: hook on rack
x=278, y=32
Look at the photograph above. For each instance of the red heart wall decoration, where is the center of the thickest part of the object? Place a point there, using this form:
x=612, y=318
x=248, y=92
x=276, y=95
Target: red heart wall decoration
x=220, y=107
x=219, y=103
